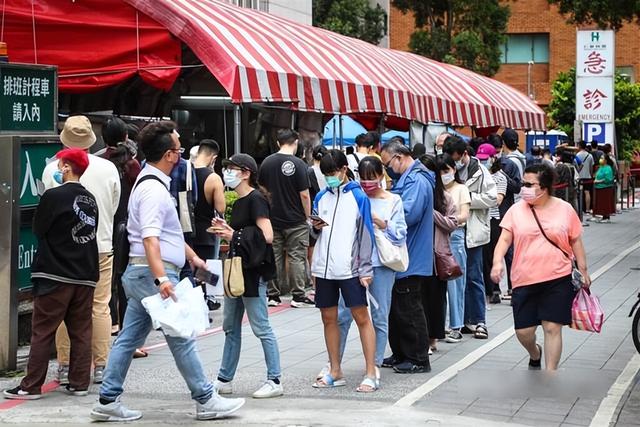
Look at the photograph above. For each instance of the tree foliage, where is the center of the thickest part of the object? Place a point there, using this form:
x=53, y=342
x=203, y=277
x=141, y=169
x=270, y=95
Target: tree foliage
x=604, y=13
x=467, y=33
x=562, y=110
x=353, y=18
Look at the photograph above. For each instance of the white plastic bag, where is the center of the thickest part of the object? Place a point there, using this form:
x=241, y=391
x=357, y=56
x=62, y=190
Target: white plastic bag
x=215, y=289
x=186, y=317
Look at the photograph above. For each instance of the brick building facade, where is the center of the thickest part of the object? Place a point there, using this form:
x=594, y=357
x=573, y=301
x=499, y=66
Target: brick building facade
x=537, y=19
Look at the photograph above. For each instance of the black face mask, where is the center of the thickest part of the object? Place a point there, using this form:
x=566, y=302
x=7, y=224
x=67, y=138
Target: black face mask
x=392, y=174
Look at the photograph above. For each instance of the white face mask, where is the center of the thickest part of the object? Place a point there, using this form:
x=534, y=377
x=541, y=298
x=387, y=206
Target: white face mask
x=459, y=165
x=231, y=178
x=448, y=178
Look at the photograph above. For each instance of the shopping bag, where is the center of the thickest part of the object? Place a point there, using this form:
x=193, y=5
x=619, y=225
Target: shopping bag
x=233, y=281
x=586, y=312
x=185, y=317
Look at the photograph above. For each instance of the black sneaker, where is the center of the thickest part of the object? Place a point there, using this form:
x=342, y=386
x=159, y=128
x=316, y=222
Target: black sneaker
x=213, y=304
x=274, y=301
x=536, y=365
x=495, y=298
x=411, y=368
x=388, y=362
x=71, y=391
x=303, y=302
x=19, y=394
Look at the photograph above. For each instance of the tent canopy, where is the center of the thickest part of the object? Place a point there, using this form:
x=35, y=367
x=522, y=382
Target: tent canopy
x=259, y=57
x=350, y=130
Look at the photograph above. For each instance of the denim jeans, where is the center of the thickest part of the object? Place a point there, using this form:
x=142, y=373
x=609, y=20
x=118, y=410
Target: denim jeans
x=474, y=303
x=380, y=290
x=138, y=284
x=456, y=287
x=258, y=315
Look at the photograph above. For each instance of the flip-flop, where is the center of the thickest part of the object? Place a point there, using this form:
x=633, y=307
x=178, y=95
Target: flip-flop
x=329, y=382
x=324, y=371
x=139, y=353
x=372, y=383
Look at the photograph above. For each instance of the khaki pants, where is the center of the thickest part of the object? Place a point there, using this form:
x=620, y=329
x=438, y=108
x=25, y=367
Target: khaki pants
x=292, y=242
x=101, y=339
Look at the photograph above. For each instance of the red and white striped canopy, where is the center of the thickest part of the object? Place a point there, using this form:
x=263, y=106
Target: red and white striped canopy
x=259, y=57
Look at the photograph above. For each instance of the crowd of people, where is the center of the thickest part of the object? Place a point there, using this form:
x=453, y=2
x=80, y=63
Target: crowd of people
x=425, y=238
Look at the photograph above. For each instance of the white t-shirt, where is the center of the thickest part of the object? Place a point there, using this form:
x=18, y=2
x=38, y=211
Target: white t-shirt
x=103, y=181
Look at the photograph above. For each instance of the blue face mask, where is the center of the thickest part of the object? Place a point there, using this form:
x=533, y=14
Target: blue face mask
x=57, y=176
x=333, y=181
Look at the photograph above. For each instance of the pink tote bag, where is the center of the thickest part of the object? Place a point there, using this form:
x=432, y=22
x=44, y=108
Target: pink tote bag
x=586, y=312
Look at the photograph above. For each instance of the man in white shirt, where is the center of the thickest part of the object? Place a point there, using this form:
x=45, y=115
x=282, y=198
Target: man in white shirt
x=156, y=256
x=103, y=181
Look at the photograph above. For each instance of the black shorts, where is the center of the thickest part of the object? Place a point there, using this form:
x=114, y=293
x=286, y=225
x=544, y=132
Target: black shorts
x=550, y=301
x=587, y=184
x=328, y=292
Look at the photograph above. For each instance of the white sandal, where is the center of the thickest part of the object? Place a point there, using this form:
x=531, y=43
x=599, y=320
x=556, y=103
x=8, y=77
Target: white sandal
x=372, y=383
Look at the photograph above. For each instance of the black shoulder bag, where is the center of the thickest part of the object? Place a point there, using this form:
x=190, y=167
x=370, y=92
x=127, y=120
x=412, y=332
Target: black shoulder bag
x=577, y=279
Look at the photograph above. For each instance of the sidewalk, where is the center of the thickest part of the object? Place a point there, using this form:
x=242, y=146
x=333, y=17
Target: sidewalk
x=472, y=398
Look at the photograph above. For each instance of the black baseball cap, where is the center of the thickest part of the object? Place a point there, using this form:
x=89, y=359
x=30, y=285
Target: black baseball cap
x=242, y=161
x=509, y=135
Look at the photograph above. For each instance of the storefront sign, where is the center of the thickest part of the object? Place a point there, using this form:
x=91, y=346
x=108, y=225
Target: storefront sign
x=595, y=54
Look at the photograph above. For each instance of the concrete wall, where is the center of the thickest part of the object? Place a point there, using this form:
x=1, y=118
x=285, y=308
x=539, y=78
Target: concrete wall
x=298, y=10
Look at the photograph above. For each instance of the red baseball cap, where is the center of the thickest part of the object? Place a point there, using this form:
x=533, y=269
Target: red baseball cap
x=75, y=156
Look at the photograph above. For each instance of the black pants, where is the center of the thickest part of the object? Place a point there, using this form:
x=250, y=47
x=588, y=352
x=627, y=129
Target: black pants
x=434, y=302
x=408, y=333
x=487, y=258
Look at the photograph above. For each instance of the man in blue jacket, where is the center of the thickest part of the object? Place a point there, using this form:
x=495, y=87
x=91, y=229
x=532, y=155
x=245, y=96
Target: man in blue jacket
x=408, y=333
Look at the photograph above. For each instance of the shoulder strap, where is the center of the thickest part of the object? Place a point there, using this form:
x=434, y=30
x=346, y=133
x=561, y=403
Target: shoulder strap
x=535, y=216
x=147, y=178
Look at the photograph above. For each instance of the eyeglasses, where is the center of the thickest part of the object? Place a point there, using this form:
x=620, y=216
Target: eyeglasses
x=177, y=150
x=529, y=184
x=386, y=165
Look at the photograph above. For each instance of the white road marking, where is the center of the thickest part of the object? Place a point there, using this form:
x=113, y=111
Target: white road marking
x=607, y=409
x=478, y=353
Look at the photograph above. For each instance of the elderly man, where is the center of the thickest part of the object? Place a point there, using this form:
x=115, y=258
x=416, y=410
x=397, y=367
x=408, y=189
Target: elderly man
x=103, y=181
x=158, y=252
x=408, y=334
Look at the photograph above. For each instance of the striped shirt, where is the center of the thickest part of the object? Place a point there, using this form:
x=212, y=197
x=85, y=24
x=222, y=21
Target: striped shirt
x=501, y=183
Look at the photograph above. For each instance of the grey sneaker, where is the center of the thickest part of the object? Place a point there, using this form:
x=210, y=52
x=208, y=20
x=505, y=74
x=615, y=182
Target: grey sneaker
x=222, y=387
x=114, y=411
x=63, y=375
x=268, y=389
x=98, y=374
x=217, y=407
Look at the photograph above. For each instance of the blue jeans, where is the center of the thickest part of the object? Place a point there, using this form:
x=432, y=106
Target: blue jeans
x=258, y=315
x=456, y=287
x=474, y=304
x=380, y=289
x=138, y=284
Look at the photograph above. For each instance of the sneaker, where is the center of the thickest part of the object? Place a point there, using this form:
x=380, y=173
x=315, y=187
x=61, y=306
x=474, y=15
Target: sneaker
x=75, y=392
x=453, y=337
x=430, y=351
x=274, y=301
x=19, y=394
x=217, y=407
x=114, y=411
x=411, y=368
x=303, y=302
x=389, y=362
x=98, y=374
x=268, y=389
x=213, y=304
x=495, y=298
x=62, y=375
x=605, y=221
x=223, y=387
x=536, y=365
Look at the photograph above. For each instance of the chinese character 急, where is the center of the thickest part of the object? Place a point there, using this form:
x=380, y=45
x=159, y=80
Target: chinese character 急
x=592, y=99
x=594, y=63
x=17, y=112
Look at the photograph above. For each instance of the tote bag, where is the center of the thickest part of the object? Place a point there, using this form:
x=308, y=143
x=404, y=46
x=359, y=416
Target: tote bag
x=391, y=256
x=233, y=277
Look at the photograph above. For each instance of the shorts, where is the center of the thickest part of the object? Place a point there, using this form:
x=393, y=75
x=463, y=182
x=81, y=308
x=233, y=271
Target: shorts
x=587, y=184
x=328, y=292
x=550, y=301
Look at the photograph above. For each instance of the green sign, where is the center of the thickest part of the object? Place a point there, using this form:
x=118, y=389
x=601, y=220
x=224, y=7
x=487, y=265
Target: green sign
x=33, y=159
x=26, y=251
x=28, y=99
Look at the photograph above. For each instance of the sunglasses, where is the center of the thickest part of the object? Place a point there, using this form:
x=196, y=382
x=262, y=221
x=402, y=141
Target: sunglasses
x=529, y=184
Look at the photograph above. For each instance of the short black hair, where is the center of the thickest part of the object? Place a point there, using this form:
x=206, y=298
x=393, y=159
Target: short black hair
x=287, y=136
x=546, y=175
x=454, y=144
x=114, y=130
x=419, y=150
x=536, y=150
x=594, y=144
x=370, y=139
x=607, y=148
x=476, y=142
x=333, y=161
x=495, y=140
x=155, y=139
x=359, y=140
x=396, y=147
x=209, y=147
x=583, y=145
x=370, y=167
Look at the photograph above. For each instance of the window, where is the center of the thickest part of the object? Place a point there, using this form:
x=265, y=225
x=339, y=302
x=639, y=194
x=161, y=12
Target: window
x=262, y=5
x=627, y=73
x=522, y=48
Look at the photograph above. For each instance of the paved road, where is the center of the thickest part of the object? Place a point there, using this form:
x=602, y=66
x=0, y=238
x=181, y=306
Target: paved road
x=473, y=383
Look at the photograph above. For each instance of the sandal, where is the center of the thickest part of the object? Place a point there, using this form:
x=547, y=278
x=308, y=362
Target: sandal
x=329, y=382
x=139, y=353
x=324, y=371
x=481, y=332
x=369, y=382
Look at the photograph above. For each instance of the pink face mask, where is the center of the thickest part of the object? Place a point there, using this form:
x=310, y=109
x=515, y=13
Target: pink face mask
x=529, y=195
x=370, y=187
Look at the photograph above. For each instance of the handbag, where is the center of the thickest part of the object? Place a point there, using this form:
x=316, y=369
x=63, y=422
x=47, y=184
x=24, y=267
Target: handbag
x=447, y=268
x=577, y=279
x=233, y=277
x=395, y=257
x=586, y=312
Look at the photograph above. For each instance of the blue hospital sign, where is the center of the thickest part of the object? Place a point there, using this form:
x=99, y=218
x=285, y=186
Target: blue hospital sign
x=594, y=131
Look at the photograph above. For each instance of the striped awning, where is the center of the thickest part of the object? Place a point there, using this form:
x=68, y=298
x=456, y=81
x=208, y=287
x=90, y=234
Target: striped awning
x=259, y=57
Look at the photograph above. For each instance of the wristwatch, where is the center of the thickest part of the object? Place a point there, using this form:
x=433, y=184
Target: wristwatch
x=161, y=280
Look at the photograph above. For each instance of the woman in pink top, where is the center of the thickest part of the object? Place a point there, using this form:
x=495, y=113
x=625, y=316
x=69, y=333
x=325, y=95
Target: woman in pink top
x=541, y=272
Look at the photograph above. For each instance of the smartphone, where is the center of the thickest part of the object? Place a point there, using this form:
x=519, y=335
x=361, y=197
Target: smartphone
x=317, y=218
x=205, y=277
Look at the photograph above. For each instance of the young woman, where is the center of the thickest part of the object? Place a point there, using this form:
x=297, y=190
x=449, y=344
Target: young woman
x=604, y=203
x=250, y=217
x=388, y=216
x=546, y=234
x=342, y=265
x=456, y=288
